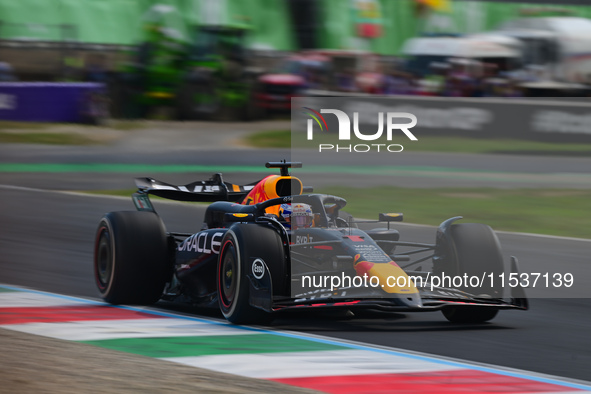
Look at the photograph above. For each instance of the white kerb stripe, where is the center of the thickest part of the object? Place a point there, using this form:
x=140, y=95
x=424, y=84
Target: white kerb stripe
x=314, y=363
x=24, y=299
x=92, y=330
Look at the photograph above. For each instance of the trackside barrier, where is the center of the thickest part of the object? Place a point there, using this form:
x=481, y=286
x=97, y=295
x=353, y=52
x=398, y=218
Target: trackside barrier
x=49, y=101
x=543, y=119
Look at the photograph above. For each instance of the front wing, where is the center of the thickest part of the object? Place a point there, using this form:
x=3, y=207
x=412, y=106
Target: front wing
x=431, y=299
x=438, y=299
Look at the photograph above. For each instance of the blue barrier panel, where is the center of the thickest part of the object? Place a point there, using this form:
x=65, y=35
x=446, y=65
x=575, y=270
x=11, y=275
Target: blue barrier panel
x=47, y=101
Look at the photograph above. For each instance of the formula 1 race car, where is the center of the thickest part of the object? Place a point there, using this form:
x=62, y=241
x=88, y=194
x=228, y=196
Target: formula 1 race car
x=273, y=246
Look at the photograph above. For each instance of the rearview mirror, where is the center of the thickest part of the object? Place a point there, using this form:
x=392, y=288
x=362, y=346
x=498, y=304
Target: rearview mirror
x=391, y=217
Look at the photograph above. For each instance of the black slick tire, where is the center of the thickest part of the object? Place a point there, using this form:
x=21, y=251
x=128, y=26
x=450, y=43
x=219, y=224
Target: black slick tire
x=241, y=246
x=131, y=257
x=478, y=253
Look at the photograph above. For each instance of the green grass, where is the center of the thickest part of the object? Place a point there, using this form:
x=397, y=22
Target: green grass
x=282, y=139
x=540, y=211
x=270, y=139
x=481, y=145
x=42, y=133
x=7, y=124
x=47, y=138
x=554, y=212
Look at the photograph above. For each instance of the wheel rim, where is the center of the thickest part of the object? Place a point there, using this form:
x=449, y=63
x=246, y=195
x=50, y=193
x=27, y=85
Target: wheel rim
x=228, y=276
x=104, y=259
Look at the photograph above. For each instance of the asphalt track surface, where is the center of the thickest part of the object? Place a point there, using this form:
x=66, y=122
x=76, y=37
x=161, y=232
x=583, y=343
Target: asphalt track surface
x=46, y=240
x=46, y=243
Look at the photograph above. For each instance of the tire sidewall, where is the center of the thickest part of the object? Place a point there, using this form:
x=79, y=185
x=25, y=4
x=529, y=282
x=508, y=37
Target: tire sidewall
x=477, y=259
x=250, y=242
x=230, y=240
x=105, y=225
x=474, y=249
x=139, y=257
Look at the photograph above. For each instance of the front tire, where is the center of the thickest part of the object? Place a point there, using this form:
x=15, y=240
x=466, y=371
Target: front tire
x=470, y=315
x=474, y=250
x=241, y=246
x=131, y=258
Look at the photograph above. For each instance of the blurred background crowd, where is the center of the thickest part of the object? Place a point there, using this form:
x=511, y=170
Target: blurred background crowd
x=246, y=58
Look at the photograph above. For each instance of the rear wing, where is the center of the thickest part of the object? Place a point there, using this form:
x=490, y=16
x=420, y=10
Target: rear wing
x=211, y=190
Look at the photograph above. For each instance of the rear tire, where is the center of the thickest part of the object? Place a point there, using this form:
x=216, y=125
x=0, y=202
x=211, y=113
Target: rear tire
x=475, y=251
x=241, y=245
x=131, y=257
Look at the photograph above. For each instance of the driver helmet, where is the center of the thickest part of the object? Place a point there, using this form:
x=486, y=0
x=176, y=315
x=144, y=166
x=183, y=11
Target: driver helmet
x=296, y=215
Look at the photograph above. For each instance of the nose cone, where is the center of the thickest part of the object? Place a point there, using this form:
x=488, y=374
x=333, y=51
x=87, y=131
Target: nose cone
x=411, y=300
x=393, y=281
